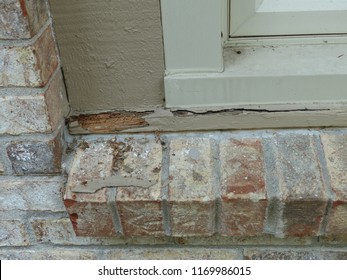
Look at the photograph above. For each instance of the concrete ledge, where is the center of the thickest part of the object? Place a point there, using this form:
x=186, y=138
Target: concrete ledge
x=247, y=184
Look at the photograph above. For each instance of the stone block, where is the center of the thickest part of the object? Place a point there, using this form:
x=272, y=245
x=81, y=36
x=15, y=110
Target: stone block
x=90, y=213
x=140, y=208
x=21, y=19
x=31, y=65
x=243, y=193
x=31, y=194
x=191, y=194
x=36, y=157
x=13, y=233
x=303, y=192
x=39, y=111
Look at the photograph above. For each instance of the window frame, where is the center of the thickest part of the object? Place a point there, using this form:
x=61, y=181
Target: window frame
x=252, y=18
x=195, y=76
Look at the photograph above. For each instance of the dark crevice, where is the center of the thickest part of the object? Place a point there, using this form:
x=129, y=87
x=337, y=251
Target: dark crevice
x=185, y=112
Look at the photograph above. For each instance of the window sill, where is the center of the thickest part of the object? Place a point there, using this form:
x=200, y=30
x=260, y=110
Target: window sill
x=291, y=76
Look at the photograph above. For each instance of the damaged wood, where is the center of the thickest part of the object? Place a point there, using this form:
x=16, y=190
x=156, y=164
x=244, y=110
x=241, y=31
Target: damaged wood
x=252, y=117
x=108, y=122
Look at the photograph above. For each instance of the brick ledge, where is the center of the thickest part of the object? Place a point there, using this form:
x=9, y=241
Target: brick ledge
x=283, y=183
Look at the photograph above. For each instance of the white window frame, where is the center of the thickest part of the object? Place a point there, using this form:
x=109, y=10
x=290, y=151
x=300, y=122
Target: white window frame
x=287, y=17
x=195, y=34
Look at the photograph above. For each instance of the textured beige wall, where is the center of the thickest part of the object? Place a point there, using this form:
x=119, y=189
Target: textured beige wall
x=112, y=53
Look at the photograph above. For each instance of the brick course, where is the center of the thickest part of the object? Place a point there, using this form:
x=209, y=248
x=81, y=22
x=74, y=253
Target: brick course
x=194, y=192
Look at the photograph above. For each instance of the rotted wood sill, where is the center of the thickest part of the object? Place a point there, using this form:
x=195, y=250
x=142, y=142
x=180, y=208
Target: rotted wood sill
x=240, y=117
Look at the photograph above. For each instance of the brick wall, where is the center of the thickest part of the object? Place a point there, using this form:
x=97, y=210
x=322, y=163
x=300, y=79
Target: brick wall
x=251, y=195
x=32, y=108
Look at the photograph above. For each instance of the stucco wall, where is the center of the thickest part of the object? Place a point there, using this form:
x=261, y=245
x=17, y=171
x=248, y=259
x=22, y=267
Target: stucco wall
x=112, y=53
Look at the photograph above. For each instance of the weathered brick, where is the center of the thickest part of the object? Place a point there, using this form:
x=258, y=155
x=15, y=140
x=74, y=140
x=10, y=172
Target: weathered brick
x=36, y=157
x=13, y=233
x=38, y=112
x=285, y=254
x=173, y=254
x=191, y=192
x=335, y=147
x=21, y=19
x=90, y=213
x=49, y=254
x=60, y=232
x=243, y=190
x=140, y=208
x=31, y=194
x=52, y=230
x=29, y=66
x=302, y=188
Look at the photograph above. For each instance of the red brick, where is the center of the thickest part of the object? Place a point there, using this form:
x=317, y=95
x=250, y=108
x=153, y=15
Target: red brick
x=335, y=147
x=47, y=59
x=243, y=190
x=90, y=213
x=191, y=192
x=301, y=185
x=140, y=208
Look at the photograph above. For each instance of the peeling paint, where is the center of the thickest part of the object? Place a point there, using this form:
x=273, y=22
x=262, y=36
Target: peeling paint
x=165, y=120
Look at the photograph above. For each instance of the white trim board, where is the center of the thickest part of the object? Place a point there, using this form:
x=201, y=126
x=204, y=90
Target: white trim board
x=265, y=75
x=203, y=70
x=194, y=32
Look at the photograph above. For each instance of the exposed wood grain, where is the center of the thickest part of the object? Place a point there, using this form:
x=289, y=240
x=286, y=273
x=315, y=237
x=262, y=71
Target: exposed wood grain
x=167, y=121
